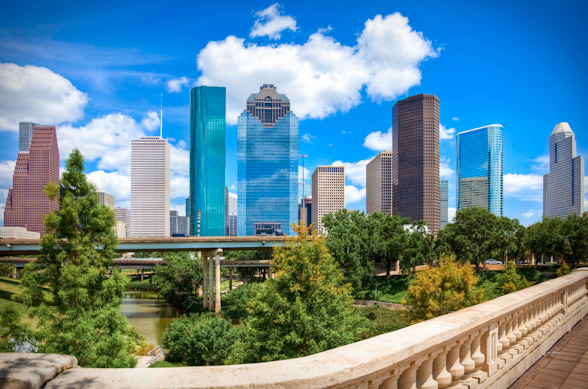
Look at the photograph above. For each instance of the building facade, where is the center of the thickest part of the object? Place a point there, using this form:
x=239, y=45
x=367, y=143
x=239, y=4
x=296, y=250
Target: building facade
x=26, y=202
x=305, y=212
x=443, y=203
x=230, y=213
x=415, y=161
x=124, y=216
x=25, y=136
x=563, y=186
x=18, y=233
x=207, y=160
x=378, y=194
x=267, y=164
x=479, y=168
x=178, y=225
x=106, y=199
x=149, y=187
x=328, y=193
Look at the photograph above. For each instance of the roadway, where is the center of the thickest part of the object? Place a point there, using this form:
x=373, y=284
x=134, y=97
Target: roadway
x=14, y=247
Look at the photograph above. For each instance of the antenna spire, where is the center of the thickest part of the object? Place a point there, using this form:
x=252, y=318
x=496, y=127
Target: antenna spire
x=161, y=118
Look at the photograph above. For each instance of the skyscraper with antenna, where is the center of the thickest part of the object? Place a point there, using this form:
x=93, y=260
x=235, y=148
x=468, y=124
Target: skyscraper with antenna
x=150, y=189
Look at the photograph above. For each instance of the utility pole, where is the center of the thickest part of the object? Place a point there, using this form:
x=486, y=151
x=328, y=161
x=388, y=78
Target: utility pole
x=304, y=218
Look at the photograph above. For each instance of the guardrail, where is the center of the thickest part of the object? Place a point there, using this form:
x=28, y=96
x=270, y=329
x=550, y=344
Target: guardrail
x=156, y=353
x=486, y=345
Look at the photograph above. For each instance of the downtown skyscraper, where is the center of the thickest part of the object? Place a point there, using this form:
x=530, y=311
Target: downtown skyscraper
x=443, y=203
x=479, y=168
x=207, y=160
x=267, y=164
x=415, y=161
x=563, y=186
x=150, y=187
x=379, y=184
x=26, y=202
x=328, y=193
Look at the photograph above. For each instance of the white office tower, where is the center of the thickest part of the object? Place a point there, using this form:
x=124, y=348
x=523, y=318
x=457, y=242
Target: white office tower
x=563, y=187
x=149, y=187
x=379, y=184
x=328, y=193
x=25, y=135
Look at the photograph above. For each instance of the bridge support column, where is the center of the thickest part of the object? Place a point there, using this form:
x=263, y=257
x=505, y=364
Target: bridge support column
x=142, y=275
x=217, y=297
x=269, y=272
x=230, y=278
x=204, y=281
x=210, y=282
x=397, y=266
x=14, y=273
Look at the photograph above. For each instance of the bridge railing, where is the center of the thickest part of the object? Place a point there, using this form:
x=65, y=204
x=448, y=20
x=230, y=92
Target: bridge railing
x=486, y=345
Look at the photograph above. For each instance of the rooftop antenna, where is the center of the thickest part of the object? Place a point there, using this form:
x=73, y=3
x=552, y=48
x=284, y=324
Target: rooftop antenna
x=161, y=118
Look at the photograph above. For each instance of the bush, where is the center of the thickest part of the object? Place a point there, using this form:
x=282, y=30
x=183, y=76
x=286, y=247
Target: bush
x=563, y=269
x=508, y=280
x=6, y=269
x=235, y=302
x=437, y=291
x=382, y=320
x=199, y=339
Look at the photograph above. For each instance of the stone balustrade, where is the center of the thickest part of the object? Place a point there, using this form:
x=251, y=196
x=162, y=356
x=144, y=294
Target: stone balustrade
x=487, y=345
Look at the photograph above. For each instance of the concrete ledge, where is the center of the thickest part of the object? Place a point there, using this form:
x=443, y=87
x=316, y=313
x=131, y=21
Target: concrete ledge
x=20, y=370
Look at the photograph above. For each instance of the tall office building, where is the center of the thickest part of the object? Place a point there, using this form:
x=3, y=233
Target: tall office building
x=26, y=202
x=479, y=168
x=328, y=192
x=378, y=196
x=267, y=164
x=178, y=225
x=149, y=187
x=415, y=161
x=305, y=211
x=124, y=216
x=443, y=203
x=106, y=199
x=25, y=136
x=230, y=213
x=207, y=160
x=563, y=186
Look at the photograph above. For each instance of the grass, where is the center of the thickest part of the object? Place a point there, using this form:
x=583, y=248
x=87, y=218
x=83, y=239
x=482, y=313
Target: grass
x=390, y=289
x=166, y=364
x=382, y=320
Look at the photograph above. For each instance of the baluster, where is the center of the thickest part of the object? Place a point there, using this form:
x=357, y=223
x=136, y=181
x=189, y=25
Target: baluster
x=424, y=376
x=440, y=373
x=509, y=334
x=391, y=382
x=465, y=354
x=477, y=355
x=523, y=325
x=502, y=339
x=516, y=331
x=455, y=368
x=531, y=318
x=407, y=379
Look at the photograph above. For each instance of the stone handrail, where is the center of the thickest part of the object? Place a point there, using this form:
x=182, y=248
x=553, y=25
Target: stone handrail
x=486, y=345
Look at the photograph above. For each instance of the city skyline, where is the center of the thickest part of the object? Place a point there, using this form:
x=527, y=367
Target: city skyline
x=110, y=83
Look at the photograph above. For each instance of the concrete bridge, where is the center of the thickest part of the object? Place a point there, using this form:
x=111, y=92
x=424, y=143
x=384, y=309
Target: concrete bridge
x=489, y=345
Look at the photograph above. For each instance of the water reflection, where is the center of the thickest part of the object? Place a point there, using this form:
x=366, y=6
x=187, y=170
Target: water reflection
x=149, y=314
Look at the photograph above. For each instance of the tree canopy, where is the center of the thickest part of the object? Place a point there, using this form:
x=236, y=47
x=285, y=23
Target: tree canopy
x=178, y=280
x=80, y=313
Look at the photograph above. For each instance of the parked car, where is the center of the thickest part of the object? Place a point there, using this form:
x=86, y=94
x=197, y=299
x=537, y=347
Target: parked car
x=492, y=262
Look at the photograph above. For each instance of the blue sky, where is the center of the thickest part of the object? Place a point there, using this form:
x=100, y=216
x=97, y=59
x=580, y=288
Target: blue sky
x=97, y=70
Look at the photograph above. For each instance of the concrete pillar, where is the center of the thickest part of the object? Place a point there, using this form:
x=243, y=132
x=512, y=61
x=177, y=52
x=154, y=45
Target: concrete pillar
x=230, y=278
x=397, y=267
x=269, y=272
x=204, y=282
x=217, y=299
x=18, y=270
x=142, y=274
x=14, y=273
x=210, y=283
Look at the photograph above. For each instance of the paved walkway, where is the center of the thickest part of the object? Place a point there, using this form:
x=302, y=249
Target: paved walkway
x=564, y=366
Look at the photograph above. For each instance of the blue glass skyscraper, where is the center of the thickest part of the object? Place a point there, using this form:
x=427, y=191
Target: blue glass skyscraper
x=479, y=168
x=207, y=160
x=267, y=165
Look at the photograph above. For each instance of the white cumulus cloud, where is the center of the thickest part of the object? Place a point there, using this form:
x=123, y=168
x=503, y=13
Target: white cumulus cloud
x=271, y=22
x=304, y=174
x=353, y=194
x=322, y=76
x=36, y=94
x=445, y=171
x=379, y=141
x=3, y=195
x=114, y=183
x=525, y=187
x=176, y=85
x=354, y=171
x=6, y=173
x=307, y=138
x=446, y=133
x=451, y=213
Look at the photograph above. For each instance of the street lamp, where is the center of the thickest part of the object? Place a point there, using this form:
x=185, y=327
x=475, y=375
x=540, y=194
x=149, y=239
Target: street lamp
x=303, y=157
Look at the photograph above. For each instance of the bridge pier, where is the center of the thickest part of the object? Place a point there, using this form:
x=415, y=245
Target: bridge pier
x=210, y=281
x=230, y=278
x=217, y=302
x=204, y=280
x=142, y=274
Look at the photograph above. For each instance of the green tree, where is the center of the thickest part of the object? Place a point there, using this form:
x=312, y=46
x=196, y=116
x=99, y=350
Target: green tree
x=178, y=280
x=387, y=238
x=472, y=237
x=199, y=339
x=235, y=301
x=575, y=236
x=307, y=308
x=509, y=280
x=348, y=241
x=80, y=313
x=419, y=247
x=563, y=269
x=440, y=290
x=546, y=238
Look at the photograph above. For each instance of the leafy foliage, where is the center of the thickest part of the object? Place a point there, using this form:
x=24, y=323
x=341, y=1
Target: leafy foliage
x=509, y=280
x=80, y=313
x=437, y=291
x=6, y=269
x=178, y=280
x=381, y=320
x=199, y=339
x=235, y=302
x=563, y=269
x=306, y=309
